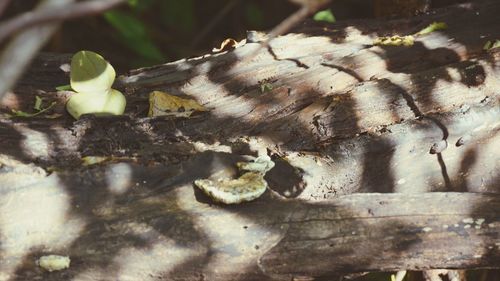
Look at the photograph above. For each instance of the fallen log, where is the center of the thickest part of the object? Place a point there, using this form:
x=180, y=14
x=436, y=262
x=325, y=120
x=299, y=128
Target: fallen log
x=113, y=234
x=336, y=114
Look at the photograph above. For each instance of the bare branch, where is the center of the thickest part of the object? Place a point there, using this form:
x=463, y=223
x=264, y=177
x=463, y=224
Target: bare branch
x=56, y=14
x=24, y=46
x=3, y=5
x=222, y=13
x=281, y=29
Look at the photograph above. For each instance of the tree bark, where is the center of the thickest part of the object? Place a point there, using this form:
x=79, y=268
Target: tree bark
x=337, y=115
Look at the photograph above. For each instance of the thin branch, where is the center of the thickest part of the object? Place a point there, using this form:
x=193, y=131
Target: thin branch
x=56, y=14
x=24, y=46
x=281, y=29
x=222, y=13
x=308, y=7
x=3, y=5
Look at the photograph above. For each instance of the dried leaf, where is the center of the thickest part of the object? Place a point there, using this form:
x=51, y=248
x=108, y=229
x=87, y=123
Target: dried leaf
x=395, y=40
x=92, y=160
x=228, y=44
x=161, y=104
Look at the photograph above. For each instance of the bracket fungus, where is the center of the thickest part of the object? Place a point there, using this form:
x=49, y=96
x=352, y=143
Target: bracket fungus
x=249, y=186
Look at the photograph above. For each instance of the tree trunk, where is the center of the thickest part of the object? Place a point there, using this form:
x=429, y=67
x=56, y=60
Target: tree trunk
x=336, y=114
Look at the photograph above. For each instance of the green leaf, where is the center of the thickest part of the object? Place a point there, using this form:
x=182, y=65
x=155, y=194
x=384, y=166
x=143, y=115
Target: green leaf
x=487, y=45
x=140, y=5
x=325, y=15
x=491, y=45
x=432, y=27
x=133, y=3
x=64, y=88
x=19, y=113
x=38, y=103
x=266, y=87
x=133, y=34
x=90, y=73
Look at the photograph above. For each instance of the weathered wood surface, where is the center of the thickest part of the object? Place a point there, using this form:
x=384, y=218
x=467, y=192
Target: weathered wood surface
x=342, y=117
x=371, y=113
x=112, y=232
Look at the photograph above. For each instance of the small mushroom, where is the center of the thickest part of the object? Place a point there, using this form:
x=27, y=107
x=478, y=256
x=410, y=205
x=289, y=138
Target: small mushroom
x=54, y=262
x=438, y=147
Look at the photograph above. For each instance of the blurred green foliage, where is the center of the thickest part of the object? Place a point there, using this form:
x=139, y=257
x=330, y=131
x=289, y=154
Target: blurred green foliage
x=151, y=32
x=325, y=15
x=140, y=5
x=133, y=28
x=160, y=30
x=132, y=33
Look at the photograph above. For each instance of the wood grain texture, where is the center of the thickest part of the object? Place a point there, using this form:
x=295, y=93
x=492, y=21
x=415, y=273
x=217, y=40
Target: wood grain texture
x=179, y=235
x=341, y=117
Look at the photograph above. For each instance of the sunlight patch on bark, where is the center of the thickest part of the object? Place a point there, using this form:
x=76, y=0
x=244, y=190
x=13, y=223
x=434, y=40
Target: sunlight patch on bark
x=36, y=219
x=119, y=178
x=35, y=144
x=239, y=241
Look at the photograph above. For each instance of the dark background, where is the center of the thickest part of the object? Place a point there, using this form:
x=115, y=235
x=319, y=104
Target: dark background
x=149, y=32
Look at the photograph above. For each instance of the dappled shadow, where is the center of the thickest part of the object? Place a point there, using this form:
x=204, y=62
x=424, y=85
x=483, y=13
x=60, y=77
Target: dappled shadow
x=418, y=58
x=377, y=169
x=296, y=61
x=468, y=161
x=145, y=212
x=11, y=143
x=435, y=148
x=344, y=69
x=285, y=179
x=117, y=226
